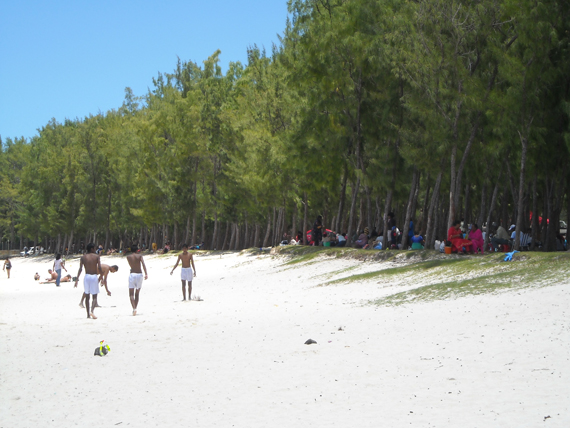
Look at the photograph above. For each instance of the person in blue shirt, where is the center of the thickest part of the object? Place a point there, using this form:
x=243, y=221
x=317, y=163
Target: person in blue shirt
x=417, y=242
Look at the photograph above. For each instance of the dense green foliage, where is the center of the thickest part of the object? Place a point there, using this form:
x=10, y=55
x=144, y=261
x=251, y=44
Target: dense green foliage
x=365, y=107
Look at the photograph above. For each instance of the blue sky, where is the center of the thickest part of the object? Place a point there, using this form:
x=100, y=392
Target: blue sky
x=68, y=59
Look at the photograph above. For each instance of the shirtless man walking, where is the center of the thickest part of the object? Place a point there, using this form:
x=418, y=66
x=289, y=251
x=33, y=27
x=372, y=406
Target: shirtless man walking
x=186, y=272
x=92, y=264
x=105, y=269
x=136, y=277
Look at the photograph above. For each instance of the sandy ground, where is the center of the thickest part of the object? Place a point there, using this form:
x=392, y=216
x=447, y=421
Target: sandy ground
x=238, y=358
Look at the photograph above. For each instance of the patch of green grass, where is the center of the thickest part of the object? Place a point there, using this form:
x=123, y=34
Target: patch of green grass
x=443, y=276
x=303, y=258
x=430, y=264
x=404, y=271
x=488, y=276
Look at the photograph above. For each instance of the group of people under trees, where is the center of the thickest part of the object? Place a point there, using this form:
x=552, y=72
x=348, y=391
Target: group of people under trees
x=461, y=238
x=320, y=236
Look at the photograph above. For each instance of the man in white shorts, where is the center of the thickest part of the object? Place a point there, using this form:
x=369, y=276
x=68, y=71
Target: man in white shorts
x=136, y=277
x=92, y=264
x=186, y=273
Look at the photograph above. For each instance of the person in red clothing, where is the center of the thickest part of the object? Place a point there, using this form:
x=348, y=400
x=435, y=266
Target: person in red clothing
x=455, y=236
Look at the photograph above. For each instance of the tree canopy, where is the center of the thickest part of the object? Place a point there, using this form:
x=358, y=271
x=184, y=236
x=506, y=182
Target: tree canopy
x=434, y=110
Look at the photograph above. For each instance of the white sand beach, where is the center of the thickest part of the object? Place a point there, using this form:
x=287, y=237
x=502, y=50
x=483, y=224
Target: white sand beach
x=238, y=358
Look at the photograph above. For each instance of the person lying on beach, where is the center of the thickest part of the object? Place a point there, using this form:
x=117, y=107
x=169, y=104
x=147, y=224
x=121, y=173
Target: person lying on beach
x=66, y=278
x=186, y=271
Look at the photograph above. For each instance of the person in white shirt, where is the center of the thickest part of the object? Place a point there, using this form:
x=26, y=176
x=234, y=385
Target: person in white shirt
x=57, y=266
x=341, y=239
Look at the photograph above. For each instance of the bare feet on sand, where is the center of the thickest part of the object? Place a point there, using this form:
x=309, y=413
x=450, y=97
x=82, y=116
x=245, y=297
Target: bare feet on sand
x=134, y=312
x=93, y=316
x=81, y=305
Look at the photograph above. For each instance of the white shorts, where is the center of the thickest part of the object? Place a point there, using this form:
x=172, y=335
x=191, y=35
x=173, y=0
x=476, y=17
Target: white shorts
x=186, y=274
x=91, y=284
x=135, y=280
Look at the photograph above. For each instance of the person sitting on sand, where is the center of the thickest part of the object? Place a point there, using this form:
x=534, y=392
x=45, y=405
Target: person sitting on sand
x=362, y=241
x=455, y=236
x=66, y=278
x=476, y=237
x=417, y=242
x=52, y=275
x=186, y=271
x=37, y=277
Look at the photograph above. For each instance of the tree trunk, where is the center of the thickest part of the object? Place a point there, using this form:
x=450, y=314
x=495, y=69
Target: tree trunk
x=514, y=193
x=482, y=208
x=543, y=223
x=491, y=208
x=386, y=233
x=187, y=233
x=359, y=226
x=505, y=212
x=520, y=209
x=274, y=226
x=203, y=237
x=194, y=227
x=176, y=235
x=215, y=236
x=368, y=208
x=226, y=236
x=423, y=224
x=415, y=199
x=233, y=238
x=352, y=211
x=535, y=224
x=431, y=223
x=342, y=198
x=246, y=235
x=256, y=237
x=406, y=227
x=277, y=228
x=306, y=209
x=378, y=224
x=268, y=231
x=294, y=221
x=71, y=241
x=567, y=217
x=466, y=212
x=452, y=187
